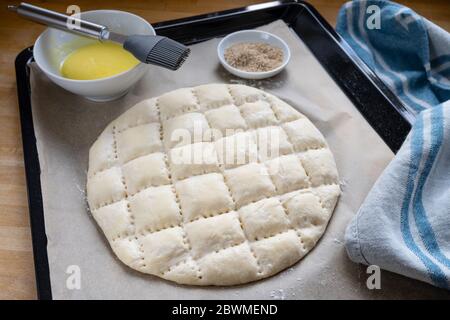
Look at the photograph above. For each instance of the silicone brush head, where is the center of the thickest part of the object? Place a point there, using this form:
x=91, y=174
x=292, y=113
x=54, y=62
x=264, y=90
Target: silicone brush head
x=157, y=50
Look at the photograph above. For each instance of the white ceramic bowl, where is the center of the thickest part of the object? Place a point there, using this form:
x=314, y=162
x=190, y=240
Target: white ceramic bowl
x=53, y=46
x=253, y=36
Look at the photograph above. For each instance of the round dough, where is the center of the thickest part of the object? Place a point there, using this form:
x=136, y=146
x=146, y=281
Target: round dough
x=237, y=214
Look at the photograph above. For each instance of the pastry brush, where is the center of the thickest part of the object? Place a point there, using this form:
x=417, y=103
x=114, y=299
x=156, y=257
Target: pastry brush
x=151, y=49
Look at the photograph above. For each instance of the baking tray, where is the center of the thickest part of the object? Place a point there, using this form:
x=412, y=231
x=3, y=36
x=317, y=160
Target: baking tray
x=380, y=107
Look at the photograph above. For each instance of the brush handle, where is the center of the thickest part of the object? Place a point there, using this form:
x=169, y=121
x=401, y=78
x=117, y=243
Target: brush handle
x=60, y=21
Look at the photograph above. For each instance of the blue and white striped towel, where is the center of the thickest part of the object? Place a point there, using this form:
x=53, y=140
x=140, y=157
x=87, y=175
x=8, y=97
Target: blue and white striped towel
x=404, y=223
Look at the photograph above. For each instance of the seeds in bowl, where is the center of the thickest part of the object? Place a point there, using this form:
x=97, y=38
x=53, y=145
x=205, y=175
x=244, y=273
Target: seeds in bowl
x=254, y=56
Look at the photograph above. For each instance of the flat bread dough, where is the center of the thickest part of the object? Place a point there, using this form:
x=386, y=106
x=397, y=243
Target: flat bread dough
x=238, y=213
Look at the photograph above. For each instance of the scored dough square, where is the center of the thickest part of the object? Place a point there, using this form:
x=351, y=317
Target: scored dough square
x=155, y=208
x=203, y=196
x=105, y=187
x=238, y=261
x=213, y=96
x=114, y=220
x=304, y=135
x=311, y=235
x=146, y=171
x=279, y=252
x=185, y=129
x=227, y=119
x=263, y=219
x=127, y=250
x=102, y=154
x=258, y=114
x=214, y=234
x=193, y=159
x=320, y=167
x=249, y=183
x=242, y=94
x=304, y=210
x=287, y=173
x=142, y=113
x=176, y=103
x=283, y=111
x=164, y=248
x=237, y=149
x=272, y=142
x=138, y=141
x=328, y=195
x=186, y=272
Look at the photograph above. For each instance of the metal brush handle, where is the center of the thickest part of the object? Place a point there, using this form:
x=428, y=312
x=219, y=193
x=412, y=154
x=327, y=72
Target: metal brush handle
x=60, y=21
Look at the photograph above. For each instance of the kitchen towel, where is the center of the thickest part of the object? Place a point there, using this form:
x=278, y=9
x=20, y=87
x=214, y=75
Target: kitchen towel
x=404, y=223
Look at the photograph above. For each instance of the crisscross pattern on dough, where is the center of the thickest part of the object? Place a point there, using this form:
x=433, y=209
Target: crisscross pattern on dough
x=214, y=223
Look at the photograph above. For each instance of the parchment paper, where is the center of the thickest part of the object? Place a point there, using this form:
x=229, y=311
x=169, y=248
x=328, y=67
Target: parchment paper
x=66, y=125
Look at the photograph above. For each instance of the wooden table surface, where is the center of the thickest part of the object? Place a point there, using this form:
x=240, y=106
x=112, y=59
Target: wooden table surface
x=16, y=261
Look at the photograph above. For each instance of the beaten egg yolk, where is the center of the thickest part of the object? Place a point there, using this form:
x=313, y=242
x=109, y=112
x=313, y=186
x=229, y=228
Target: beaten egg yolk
x=97, y=60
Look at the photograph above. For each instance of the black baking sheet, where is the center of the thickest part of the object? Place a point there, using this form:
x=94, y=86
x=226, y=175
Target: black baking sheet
x=384, y=112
